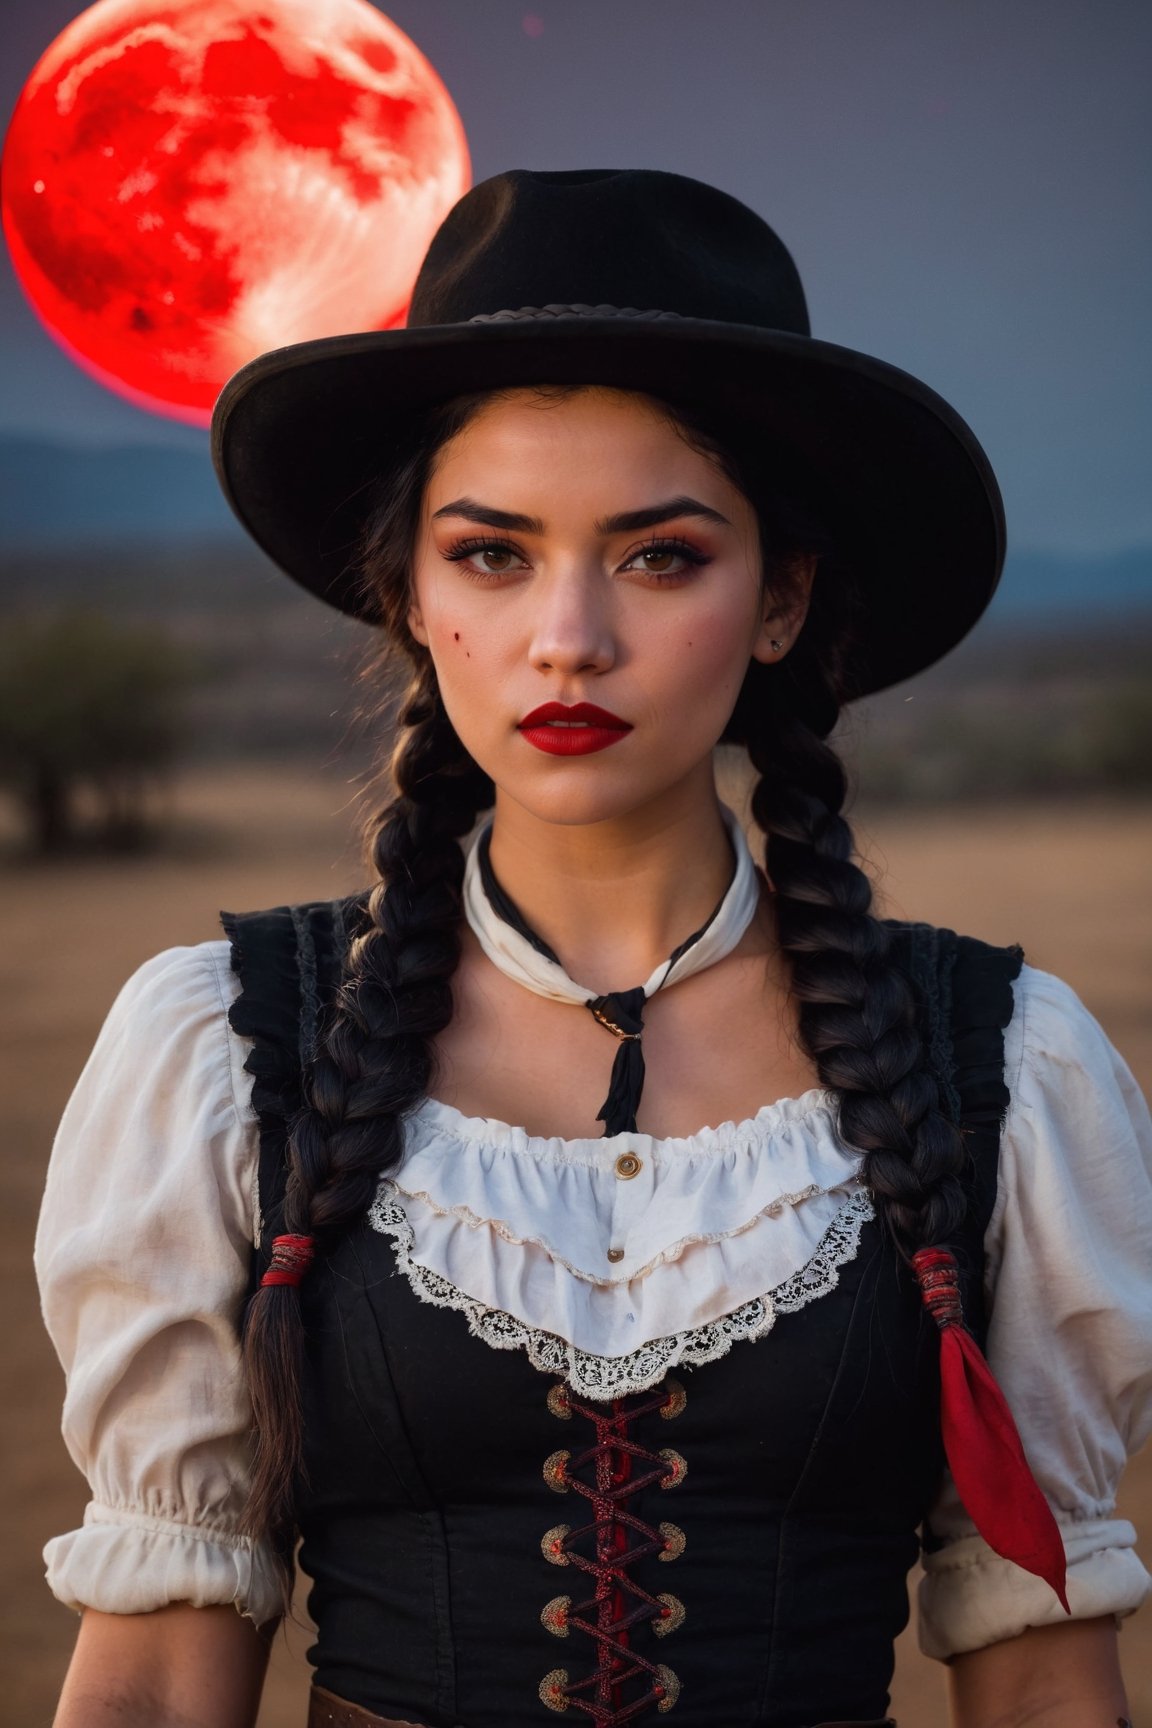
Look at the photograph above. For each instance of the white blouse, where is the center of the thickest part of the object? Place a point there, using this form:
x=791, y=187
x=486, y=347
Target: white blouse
x=151, y=1209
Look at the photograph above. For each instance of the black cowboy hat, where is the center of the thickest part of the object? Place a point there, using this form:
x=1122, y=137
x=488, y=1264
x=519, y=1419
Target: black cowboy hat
x=646, y=281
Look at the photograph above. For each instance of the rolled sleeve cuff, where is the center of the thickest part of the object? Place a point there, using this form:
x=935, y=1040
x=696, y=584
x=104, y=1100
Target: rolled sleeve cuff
x=127, y=1562
x=969, y=1597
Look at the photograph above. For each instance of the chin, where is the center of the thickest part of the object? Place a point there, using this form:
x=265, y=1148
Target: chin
x=580, y=799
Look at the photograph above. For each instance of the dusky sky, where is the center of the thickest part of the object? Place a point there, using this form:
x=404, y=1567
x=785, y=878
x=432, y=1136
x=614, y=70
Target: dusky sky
x=963, y=183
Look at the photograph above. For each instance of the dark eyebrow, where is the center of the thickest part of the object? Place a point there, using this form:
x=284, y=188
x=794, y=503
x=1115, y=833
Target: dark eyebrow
x=487, y=517
x=631, y=521
x=628, y=522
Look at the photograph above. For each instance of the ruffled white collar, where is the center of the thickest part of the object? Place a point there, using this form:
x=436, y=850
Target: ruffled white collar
x=611, y=1259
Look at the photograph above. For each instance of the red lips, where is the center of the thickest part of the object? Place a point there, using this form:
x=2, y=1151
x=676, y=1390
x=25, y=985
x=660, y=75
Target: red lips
x=589, y=728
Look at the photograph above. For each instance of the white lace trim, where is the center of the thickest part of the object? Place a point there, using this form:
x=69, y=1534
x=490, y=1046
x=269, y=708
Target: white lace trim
x=607, y=1377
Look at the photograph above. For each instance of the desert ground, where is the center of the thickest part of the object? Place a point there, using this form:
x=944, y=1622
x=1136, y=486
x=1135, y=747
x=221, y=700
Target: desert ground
x=1068, y=880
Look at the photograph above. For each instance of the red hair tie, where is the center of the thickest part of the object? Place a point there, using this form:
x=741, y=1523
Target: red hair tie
x=981, y=1441
x=291, y=1258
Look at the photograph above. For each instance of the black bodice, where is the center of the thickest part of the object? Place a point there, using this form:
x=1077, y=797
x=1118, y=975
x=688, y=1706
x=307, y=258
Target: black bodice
x=731, y=1549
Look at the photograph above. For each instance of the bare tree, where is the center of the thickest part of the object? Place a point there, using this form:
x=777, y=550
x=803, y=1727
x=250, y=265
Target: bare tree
x=88, y=703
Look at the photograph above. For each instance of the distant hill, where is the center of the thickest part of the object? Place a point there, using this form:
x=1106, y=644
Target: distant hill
x=1046, y=582
x=61, y=496
x=147, y=505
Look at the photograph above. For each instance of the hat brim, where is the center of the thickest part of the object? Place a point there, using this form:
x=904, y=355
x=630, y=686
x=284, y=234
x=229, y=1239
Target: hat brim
x=300, y=434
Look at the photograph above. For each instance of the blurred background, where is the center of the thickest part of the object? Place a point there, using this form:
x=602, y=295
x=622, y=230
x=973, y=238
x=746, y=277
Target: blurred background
x=965, y=191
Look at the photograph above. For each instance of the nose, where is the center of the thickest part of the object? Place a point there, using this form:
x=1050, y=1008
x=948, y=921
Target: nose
x=573, y=629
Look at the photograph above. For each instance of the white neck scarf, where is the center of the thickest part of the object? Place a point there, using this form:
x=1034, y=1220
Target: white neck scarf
x=619, y=1012
x=519, y=960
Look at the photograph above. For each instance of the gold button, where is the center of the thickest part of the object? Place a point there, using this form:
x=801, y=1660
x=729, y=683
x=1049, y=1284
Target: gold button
x=669, y=1619
x=677, y=1467
x=615, y=1254
x=554, y=1690
x=675, y=1541
x=554, y=1617
x=668, y=1686
x=552, y=1544
x=560, y=1402
x=674, y=1400
x=556, y=1471
x=627, y=1166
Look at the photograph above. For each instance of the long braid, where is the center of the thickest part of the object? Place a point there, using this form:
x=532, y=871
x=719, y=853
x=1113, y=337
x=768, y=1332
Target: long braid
x=857, y=1009
x=376, y=1057
x=857, y=1016
x=374, y=1063
x=857, y=1013
x=857, y=1022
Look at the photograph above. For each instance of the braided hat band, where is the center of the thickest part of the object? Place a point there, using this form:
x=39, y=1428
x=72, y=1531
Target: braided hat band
x=555, y=310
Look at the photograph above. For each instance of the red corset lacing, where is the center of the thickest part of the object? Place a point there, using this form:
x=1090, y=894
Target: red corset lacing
x=608, y=1474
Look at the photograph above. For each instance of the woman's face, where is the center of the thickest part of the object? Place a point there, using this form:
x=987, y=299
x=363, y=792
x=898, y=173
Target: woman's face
x=579, y=551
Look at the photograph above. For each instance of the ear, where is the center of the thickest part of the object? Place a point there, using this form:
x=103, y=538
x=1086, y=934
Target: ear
x=416, y=624
x=784, y=618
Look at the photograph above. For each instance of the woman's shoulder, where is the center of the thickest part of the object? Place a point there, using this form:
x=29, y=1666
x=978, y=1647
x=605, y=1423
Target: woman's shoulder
x=203, y=1006
x=192, y=978
x=1041, y=1012
x=1020, y=1035
x=1076, y=1111
x=952, y=968
x=1052, y=1028
x=172, y=1014
x=282, y=966
x=190, y=982
x=183, y=967
x=160, y=1109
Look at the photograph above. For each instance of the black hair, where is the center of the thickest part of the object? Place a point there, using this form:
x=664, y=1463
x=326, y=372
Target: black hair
x=856, y=1010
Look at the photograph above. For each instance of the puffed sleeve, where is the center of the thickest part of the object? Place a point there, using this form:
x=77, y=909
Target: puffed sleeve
x=1069, y=1287
x=142, y=1254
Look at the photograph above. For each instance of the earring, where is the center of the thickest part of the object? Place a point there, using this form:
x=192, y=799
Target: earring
x=774, y=645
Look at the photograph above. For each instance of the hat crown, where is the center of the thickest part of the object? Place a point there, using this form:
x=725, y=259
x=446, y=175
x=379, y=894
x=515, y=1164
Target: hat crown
x=607, y=237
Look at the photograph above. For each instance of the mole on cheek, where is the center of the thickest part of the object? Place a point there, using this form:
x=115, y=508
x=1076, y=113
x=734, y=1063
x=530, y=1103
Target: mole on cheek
x=456, y=635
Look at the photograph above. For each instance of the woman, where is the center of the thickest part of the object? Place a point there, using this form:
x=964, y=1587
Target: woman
x=631, y=1406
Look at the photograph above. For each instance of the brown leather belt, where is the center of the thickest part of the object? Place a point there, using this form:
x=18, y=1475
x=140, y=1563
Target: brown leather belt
x=328, y=1711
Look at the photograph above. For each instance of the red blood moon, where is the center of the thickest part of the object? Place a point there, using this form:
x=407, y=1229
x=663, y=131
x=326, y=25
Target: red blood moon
x=188, y=183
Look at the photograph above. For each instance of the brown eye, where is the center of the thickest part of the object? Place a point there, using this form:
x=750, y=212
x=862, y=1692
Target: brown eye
x=495, y=558
x=659, y=560
x=480, y=558
x=667, y=560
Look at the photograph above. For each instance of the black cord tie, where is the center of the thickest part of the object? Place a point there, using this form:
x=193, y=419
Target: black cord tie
x=621, y=1012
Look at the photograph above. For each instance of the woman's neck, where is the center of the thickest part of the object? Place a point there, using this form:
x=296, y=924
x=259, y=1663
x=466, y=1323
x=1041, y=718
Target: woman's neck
x=613, y=898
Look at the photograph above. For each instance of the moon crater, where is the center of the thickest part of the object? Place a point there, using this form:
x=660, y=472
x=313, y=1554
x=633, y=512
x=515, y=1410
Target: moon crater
x=187, y=185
